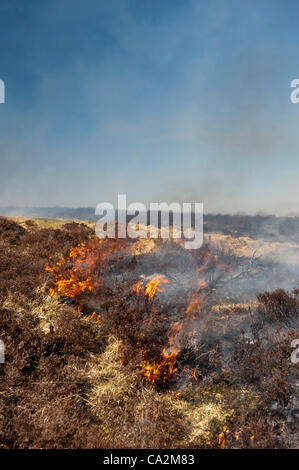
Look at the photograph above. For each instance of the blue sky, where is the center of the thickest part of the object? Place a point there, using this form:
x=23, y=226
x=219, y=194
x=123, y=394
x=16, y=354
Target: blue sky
x=173, y=100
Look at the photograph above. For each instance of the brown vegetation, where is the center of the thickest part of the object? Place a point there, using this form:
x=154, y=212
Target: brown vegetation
x=73, y=379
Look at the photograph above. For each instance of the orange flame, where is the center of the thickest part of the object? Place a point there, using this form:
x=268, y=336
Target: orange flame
x=81, y=271
x=165, y=367
x=137, y=287
x=160, y=370
x=75, y=274
x=154, y=285
x=225, y=431
x=193, y=309
x=222, y=437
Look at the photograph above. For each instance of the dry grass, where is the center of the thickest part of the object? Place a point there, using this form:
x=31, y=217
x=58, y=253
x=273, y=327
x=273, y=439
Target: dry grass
x=42, y=306
x=235, y=308
x=30, y=224
x=136, y=415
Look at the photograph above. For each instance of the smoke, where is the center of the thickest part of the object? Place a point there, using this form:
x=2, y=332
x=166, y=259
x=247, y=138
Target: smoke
x=159, y=103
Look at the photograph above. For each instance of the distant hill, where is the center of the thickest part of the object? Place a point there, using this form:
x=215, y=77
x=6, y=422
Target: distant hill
x=268, y=227
x=80, y=213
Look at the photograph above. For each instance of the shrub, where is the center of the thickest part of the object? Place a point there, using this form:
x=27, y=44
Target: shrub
x=278, y=306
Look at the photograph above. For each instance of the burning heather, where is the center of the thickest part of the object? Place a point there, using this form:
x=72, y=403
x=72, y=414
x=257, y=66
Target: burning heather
x=162, y=303
x=169, y=347
x=171, y=306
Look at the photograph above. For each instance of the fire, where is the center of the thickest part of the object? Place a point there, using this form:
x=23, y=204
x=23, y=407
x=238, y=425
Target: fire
x=71, y=273
x=95, y=316
x=161, y=370
x=137, y=287
x=82, y=271
x=165, y=367
x=222, y=437
x=225, y=432
x=152, y=286
x=78, y=272
x=194, y=307
x=72, y=287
